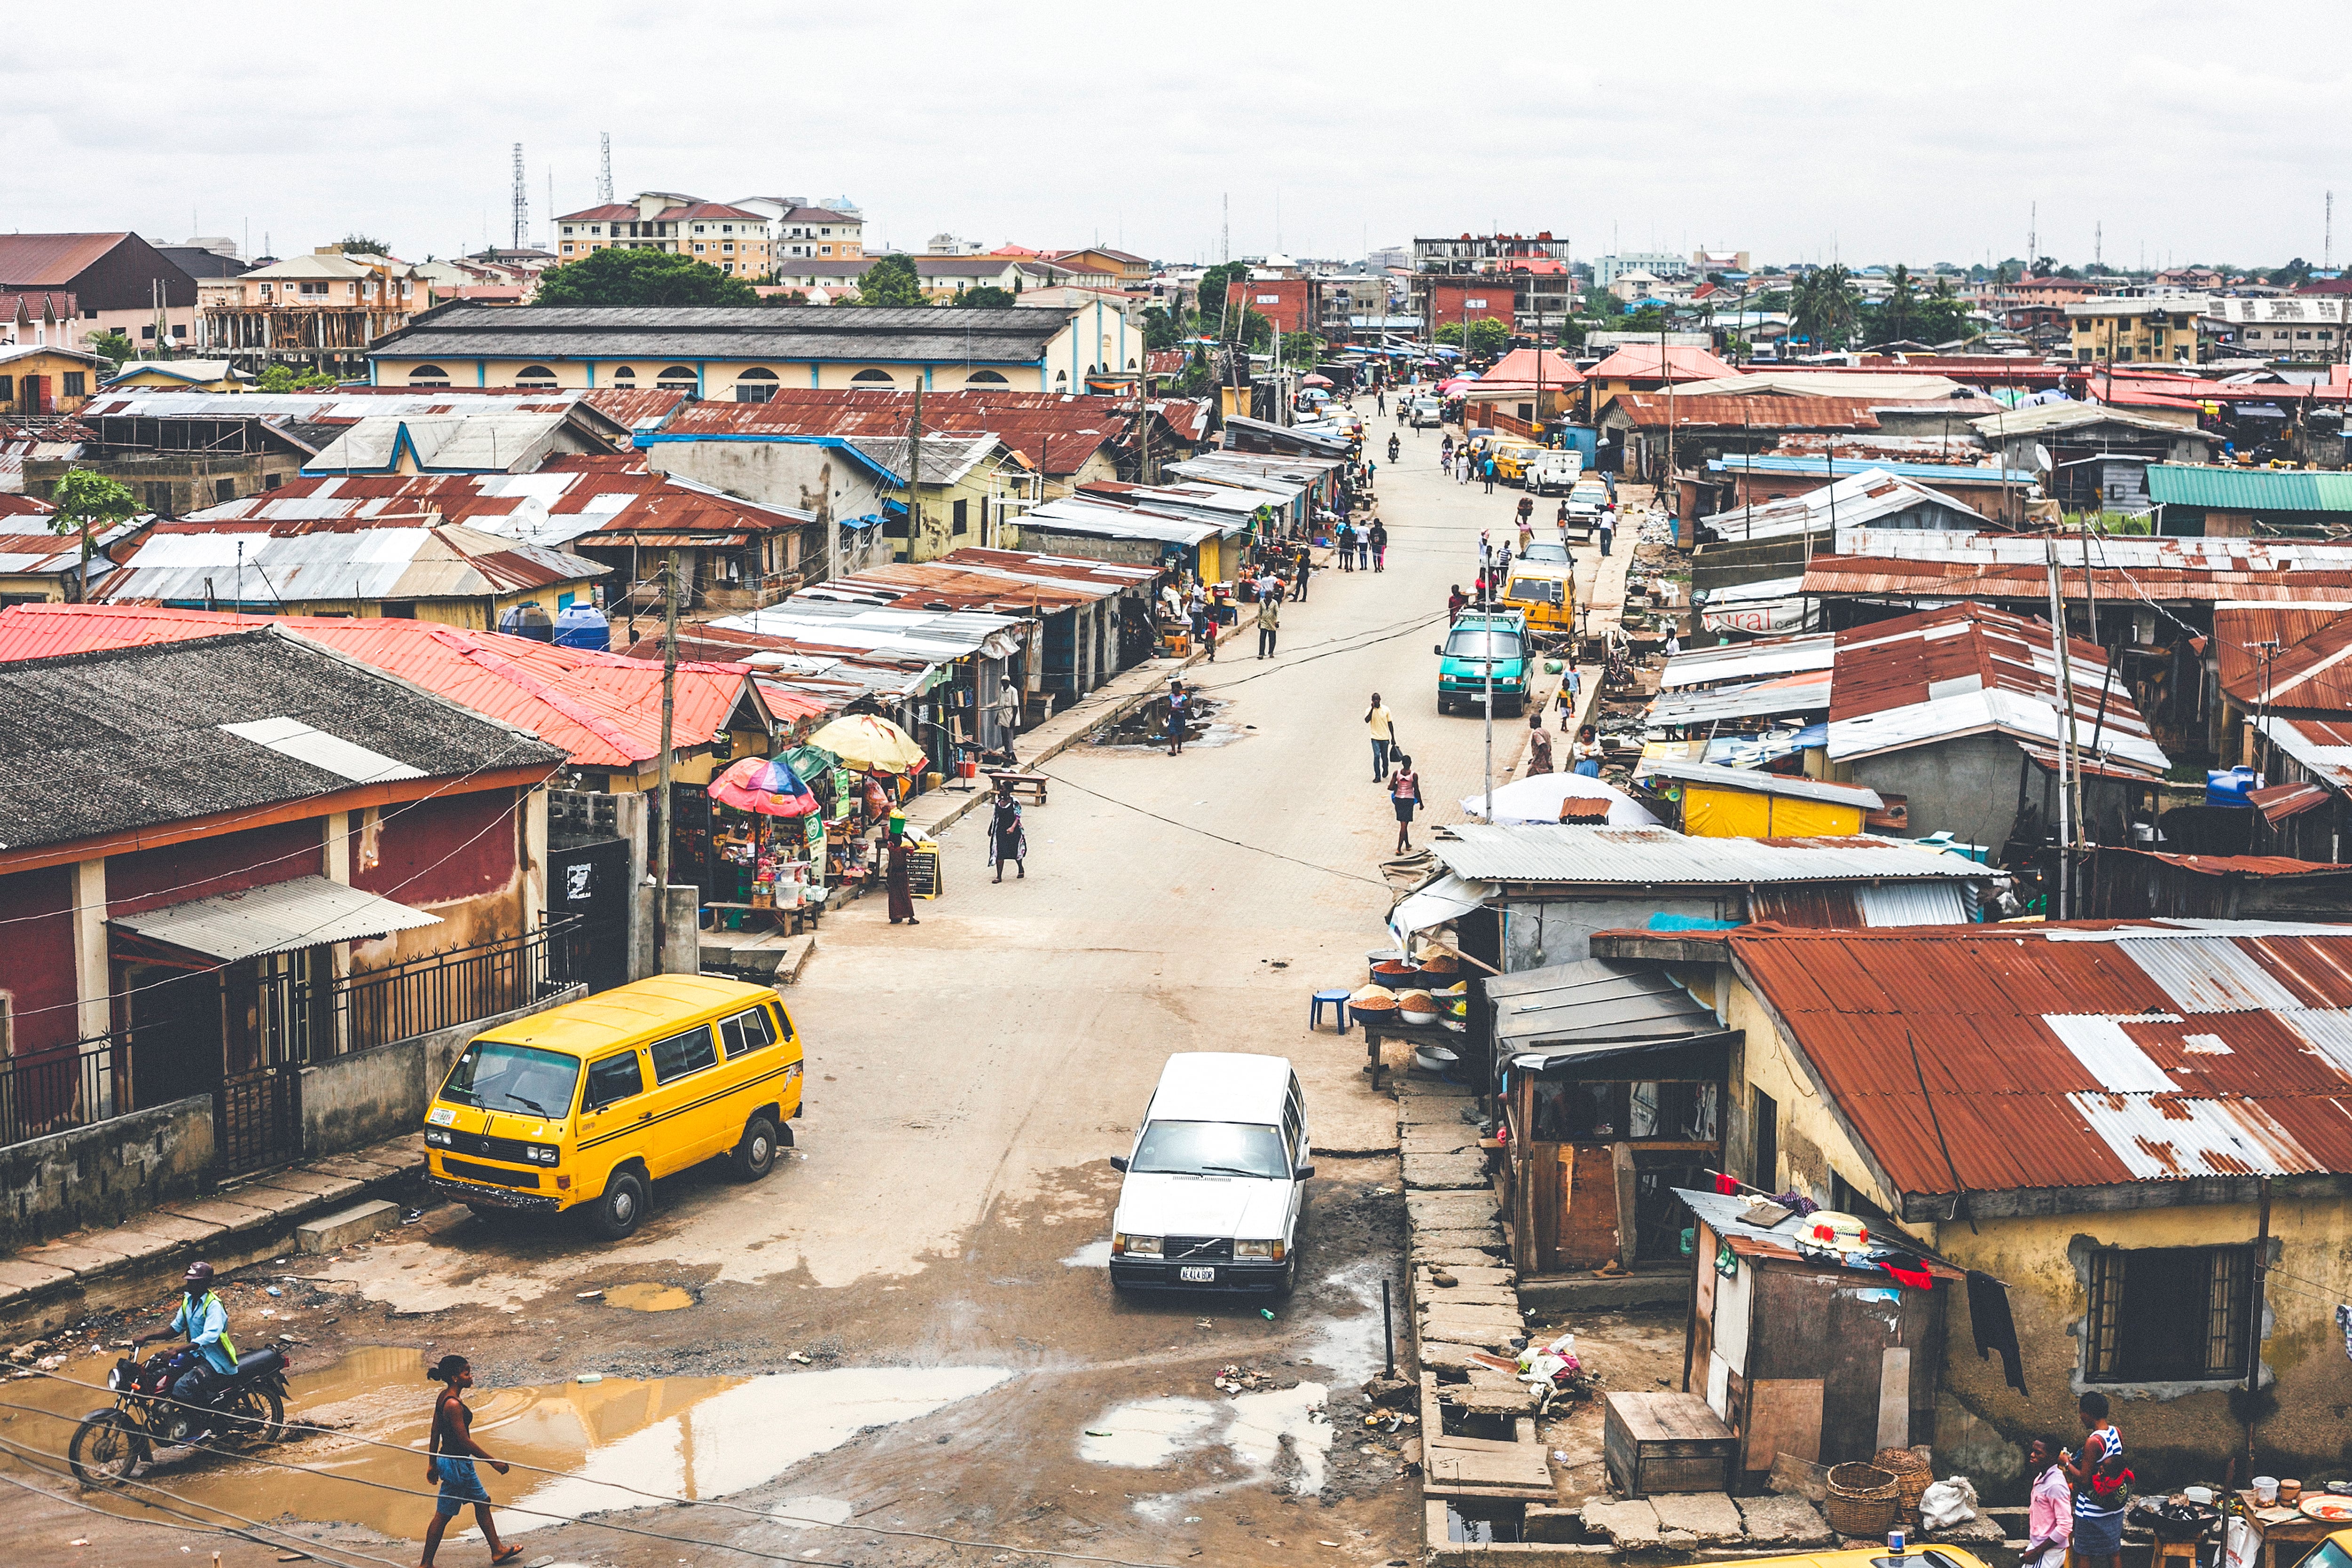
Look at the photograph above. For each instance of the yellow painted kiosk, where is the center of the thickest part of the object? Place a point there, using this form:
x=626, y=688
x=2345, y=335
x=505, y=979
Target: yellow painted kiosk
x=1717, y=802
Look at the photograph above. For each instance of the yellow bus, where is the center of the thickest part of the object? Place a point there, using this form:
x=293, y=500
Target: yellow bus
x=586, y=1105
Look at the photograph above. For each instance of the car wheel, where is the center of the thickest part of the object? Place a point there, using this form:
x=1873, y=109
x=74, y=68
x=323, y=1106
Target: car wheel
x=1288, y=1281
x=755, y=1156
x=621, y=1208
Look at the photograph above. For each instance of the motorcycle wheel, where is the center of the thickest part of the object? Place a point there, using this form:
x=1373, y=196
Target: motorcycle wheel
x=256, y=1414
x=105, y=1449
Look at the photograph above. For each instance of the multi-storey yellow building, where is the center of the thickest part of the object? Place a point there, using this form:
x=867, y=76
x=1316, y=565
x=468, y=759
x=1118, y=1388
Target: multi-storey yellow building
x=732, y=239
x=2130, y=328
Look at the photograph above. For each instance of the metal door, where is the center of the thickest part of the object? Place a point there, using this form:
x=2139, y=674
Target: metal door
x=590, y=881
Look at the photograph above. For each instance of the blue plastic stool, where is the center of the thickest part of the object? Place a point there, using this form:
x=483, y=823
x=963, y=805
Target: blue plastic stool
x=1337, y=1000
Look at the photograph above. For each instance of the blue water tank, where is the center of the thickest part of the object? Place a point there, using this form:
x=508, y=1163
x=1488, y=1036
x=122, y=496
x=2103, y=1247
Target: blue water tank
x=2227, y=787
x=583, y=625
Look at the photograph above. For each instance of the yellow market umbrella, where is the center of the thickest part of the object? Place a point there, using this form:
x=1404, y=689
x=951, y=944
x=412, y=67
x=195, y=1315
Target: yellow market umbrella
x=868, y=741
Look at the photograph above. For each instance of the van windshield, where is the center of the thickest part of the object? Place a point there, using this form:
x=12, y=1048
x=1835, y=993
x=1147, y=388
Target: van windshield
x=1533, y=590
x=1473, y=643
x=501, y=1077
x=1210, y=1148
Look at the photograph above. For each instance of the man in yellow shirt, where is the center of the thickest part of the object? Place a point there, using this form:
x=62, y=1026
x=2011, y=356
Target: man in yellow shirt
x=1383, y=731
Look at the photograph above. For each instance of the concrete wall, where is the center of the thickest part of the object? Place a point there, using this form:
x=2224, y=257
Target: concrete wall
x=798, y=474
x=1968, y=785
x=349, y=1101
x=101, y=1176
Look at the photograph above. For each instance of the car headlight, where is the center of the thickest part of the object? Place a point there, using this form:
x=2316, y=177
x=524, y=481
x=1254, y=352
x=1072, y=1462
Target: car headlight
x=438, y=1140
x=1136, y=1246
x=539, y=1153
x=1271, y=1250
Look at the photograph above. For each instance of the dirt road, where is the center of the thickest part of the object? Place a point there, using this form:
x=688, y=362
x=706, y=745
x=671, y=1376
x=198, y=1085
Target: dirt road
x=934, y=1248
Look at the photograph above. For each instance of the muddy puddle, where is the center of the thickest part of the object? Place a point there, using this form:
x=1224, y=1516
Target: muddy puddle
x=648, y=1297
x=606, y=1442
x=1148, y=726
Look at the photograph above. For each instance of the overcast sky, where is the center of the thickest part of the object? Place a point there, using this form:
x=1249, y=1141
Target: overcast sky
x=1800, y=130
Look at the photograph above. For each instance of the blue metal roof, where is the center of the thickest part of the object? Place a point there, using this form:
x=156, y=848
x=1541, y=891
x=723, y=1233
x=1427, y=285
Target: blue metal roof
x=1846, y=467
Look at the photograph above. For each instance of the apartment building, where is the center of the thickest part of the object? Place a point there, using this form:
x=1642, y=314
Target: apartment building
x=2132, y=329
x=797, y=228
x=323, y=308
x=734, y=239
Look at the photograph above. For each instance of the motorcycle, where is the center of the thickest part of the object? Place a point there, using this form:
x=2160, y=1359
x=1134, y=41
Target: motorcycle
x=245, y=1409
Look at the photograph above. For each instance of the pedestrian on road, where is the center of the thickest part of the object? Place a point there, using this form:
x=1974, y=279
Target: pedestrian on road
x=1539, y=744
x=897, y=878
x=1527, y=530
x=1404, y=794
x=1570, y=690
x=1269, y=620
x=1445, y=463
x=2098, y=1524
x=1383, y=730
x=1205, y=630
x=1007, y=838
x=1379, y=403
x=1305, y=565
x=1487, y=469
x=1008, y=714
x=1378, y=538
x=1457, y=600
x=1179, y=710
x=1347, y=546
x=1561, y=522
x=1607, y=527
x=1586, y=753
x=1364, y=550
x=450, y=1461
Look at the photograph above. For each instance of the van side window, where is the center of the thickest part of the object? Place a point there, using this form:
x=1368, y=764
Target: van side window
x=613, y=1080
x=748, y=1031
x=683, y=1053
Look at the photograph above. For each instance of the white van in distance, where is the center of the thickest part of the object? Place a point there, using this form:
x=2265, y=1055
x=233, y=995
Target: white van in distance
x=1216, y=1180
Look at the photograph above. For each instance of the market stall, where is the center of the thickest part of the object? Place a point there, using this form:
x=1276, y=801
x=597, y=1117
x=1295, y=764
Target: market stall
x=766, y=847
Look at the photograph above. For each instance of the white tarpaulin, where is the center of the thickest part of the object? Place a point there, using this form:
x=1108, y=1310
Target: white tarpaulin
x=1535, y=799
x=1448, y=897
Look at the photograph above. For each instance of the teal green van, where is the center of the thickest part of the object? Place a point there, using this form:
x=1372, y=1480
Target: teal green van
x=1480, y=635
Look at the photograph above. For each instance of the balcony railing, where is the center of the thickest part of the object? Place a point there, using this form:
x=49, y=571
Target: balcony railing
x=281, y=1021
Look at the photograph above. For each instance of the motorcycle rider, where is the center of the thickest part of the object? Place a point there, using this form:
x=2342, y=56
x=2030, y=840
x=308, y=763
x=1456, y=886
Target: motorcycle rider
x=212, y=1354
x=1394, y=448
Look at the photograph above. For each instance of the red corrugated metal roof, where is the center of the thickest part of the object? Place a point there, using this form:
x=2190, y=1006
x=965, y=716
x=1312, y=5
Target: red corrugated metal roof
x=1725, y=411
x=2239, y=630
x=1639, y=362
x=2249, y=865
x=1055, y=434
x=605, y=709
x=2277, y=802
x=2075, y=1055
x=1899, y=577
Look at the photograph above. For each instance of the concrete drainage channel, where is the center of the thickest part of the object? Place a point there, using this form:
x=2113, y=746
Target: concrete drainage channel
x=1490, y=1492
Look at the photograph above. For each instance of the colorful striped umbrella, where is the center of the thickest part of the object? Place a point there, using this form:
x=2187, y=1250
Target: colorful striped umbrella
x=766, y=784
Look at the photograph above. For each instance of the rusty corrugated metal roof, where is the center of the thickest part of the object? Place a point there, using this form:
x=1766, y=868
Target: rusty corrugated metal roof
x=2240, y=630
x=2076, y=1055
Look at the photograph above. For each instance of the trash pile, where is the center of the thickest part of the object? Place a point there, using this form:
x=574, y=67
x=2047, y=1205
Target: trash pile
x=1243, y=1380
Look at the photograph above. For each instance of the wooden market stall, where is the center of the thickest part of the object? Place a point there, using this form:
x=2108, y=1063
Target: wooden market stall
x=1823, y=1356
x=1613, y=1084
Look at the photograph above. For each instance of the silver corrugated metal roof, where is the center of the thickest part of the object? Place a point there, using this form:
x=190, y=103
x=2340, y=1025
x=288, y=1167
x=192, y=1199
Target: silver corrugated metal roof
x=1913, y=903
x=1784, y=784
x=197, y=563
x=1074, y=515
x=1589, y=1006
x=1566, y=852
x=2169, y=1136
x=305, y=912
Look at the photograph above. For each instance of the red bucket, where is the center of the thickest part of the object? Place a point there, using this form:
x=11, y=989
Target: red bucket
x=967, y=769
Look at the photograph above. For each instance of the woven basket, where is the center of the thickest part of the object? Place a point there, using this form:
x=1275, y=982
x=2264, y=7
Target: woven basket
x=1913, y=1476
x=1862, y=1500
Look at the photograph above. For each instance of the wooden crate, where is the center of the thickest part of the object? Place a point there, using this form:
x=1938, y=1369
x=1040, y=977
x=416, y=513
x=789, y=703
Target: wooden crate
x=1666, y=1443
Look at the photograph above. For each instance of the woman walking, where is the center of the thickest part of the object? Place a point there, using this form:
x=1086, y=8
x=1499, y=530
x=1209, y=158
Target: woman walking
x=450, y=1461
x=898, y=878
x=1404, y=794
x=1007, y=838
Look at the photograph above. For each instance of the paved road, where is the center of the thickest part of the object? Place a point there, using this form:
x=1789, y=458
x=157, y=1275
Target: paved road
x=971, y=1075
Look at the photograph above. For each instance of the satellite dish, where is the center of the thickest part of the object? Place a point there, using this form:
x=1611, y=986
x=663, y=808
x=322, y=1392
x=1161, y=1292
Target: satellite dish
x=2041, y=463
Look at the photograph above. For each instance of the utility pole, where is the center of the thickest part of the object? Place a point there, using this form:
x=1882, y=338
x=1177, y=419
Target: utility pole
x=2066, y=691
x=666, y=828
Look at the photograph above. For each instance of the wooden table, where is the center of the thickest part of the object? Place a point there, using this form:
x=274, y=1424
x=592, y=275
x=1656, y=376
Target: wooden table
x=2289, y=1540
x=1376, y=1030
x=1666, y=1443
x=1030, y=787
x=789, y=920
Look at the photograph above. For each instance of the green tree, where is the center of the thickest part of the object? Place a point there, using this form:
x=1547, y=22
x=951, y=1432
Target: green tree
x=789, y=296
x=1484, y=337
x=292, y=379
x=367, y=244
x=988, y=296
x=113, y=345
x=1161, y=330
x=1449, y=333
x=1648, y=318
x=1825, y=307
x=1302, y=349
x=84, y=502
x=891, y=282
x=1215, y=285
x=1902, y=303
x=1572, y=336
x=640, y=278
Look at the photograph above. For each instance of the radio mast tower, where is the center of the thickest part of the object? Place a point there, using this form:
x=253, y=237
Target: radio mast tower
x=604, y=172
x=521, y=201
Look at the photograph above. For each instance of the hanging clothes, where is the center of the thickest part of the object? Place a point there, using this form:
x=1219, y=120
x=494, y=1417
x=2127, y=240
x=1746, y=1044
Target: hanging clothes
x=1995, y=1330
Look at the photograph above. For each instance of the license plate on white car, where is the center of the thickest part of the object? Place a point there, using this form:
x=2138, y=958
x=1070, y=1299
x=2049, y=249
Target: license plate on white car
x=1192, y=1274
